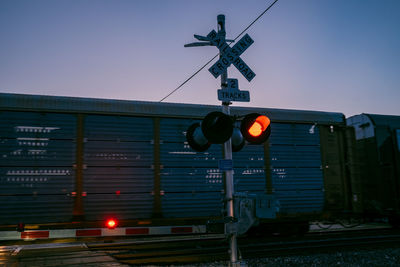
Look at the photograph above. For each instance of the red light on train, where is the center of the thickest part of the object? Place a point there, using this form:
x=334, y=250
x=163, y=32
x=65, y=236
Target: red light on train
x=111, y=223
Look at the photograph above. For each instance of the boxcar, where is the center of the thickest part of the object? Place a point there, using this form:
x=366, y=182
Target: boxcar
x=81, y=160
x=378, y=145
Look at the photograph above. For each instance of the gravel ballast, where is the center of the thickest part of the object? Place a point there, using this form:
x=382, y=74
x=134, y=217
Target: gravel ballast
x=377, y=257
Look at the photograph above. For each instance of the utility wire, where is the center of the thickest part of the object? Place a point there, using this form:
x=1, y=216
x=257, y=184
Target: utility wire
x=188, y=79
x=208, y=62
x=254, y=21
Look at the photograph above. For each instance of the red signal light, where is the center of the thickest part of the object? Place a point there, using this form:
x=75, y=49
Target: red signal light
x=256, y=128
x=260, y=124
x=111, y=223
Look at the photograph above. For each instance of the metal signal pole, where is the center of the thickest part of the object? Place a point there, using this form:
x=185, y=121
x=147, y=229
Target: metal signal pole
x=229, y=92
x=229, y=189
x=226, y=56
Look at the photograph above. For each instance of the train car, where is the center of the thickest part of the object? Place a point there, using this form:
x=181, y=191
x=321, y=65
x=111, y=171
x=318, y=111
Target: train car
x=74, y=162
x=377, y=186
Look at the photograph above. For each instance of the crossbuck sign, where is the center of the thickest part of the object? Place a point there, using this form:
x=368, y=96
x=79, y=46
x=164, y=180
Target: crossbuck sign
x=230, y=55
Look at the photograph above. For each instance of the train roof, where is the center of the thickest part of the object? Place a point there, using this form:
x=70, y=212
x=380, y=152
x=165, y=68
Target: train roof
x=44, y=103
x=391, y=121
x=366, y=125
x=377, y=120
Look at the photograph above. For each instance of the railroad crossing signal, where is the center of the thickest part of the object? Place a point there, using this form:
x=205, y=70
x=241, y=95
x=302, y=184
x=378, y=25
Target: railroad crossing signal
x=230, y=55
x=217, y=128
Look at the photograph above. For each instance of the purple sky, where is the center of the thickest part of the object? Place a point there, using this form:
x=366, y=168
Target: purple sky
x=329, y=55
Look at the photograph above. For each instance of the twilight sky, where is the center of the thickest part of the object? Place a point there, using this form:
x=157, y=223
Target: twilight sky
x=328, y=55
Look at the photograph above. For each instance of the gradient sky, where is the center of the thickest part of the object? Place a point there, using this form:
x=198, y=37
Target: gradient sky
x=328, y=55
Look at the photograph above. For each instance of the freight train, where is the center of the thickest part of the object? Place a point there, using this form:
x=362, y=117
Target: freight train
x=72, y=163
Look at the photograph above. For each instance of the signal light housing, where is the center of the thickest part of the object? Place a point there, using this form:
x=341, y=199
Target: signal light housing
x=217, y=128
x=196, y=138
x=255, y=128
x=238, y=141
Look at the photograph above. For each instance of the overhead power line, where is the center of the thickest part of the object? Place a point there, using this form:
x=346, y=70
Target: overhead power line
x=208, y=62
x=188, y=79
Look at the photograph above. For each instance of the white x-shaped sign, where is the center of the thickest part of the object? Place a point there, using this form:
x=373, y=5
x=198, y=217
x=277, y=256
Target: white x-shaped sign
x=230, y=55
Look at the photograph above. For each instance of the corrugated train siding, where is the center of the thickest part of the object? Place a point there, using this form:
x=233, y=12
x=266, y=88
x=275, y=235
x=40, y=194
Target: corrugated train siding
x=36, y=208
x=124, y=206
x=124, y=180
x=117, y=153
x=118, y=156
x=141, y=108
x=196, y=204
x=191, y=182
x=177, y=179
x=36, y=180
x=297, y=178
x=37, y=153
x=249, y=169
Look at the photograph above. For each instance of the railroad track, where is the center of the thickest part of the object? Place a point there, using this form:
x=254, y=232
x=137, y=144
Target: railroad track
x=312, y=244
x=215, y=248
x=183, y=249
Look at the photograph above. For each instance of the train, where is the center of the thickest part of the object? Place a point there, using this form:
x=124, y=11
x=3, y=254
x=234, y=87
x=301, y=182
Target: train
x=73, y=163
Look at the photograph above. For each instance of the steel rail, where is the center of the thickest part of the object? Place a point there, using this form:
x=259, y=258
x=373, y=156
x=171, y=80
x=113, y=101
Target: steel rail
x=194, y=251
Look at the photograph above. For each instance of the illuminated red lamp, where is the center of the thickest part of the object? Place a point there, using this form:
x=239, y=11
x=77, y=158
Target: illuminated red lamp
x=111, y=223
x=256, y=128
